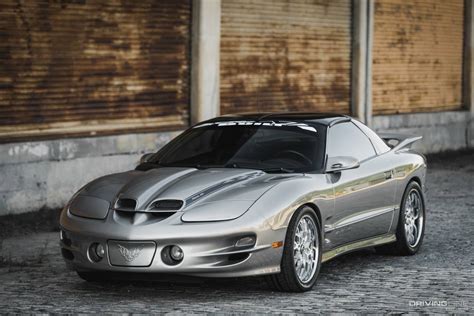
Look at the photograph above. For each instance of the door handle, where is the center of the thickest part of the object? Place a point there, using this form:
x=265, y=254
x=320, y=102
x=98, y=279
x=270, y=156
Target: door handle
x=388, y=175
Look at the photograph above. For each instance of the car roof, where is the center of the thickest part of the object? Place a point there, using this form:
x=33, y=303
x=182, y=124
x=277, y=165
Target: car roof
x=308, y=117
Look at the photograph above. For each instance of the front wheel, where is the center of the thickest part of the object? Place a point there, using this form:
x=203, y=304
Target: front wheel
x=301, y=259
x=411, y=223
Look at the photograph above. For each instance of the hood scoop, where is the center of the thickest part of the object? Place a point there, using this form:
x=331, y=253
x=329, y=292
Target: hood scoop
x=127, y=205
x=166, y=205
x=130, y=205
x=126, y=212
x=144, y=189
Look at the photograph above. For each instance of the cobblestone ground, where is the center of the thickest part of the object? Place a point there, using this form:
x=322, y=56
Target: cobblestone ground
x=34, y=279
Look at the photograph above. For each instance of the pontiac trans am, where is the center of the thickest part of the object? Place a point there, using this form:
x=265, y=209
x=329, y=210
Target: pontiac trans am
x=252, y=194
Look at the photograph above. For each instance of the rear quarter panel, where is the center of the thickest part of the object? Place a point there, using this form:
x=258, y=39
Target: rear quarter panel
x=408, y=166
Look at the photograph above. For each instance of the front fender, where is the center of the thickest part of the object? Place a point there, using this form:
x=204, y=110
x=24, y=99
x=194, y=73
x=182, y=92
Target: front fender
x=279, y=203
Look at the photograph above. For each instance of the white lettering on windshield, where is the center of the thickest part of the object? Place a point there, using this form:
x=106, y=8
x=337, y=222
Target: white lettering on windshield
x=261, y=123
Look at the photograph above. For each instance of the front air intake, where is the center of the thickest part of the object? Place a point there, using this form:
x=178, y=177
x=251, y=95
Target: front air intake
x=126, y=204
x=166, y=205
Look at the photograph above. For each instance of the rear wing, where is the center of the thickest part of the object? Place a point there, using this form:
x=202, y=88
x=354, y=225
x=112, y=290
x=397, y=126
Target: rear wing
x=399, y=141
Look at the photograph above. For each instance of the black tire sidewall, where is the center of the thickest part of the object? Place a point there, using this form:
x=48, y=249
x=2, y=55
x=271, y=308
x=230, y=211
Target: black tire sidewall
x=288, y=252
x=401, y=234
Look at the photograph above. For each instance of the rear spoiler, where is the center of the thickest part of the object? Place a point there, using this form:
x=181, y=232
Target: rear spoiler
x=399, y=141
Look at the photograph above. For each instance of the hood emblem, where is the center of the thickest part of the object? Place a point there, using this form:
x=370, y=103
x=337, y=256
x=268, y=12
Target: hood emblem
x=129, y=254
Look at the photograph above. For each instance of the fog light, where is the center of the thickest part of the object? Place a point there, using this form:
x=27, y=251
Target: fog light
x=247, y=241
x=172, y=255
x=176, y=253
x=96, y=252
x=100, y=250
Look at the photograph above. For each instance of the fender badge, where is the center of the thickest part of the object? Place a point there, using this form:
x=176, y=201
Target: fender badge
x=129, y=254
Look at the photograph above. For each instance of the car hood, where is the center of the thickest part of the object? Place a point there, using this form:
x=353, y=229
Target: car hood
x=204, y=194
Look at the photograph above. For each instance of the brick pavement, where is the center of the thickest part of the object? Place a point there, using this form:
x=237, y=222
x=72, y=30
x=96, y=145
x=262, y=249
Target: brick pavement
x=33, y=277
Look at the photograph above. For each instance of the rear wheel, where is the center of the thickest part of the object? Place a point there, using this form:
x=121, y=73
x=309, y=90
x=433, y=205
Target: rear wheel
x=301, y=259
x=411, y=223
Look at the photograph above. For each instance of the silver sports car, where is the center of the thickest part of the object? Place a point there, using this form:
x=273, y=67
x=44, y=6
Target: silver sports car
x=252, y=194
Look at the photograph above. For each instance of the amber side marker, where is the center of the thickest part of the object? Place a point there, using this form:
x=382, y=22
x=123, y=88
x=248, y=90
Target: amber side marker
x=277, y=244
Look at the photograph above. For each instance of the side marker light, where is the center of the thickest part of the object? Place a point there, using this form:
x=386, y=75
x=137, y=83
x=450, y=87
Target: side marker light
x=277, y=244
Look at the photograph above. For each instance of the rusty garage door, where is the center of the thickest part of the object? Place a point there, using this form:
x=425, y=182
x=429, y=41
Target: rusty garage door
x=281, y=55
x=417, y=55
x=88, y=67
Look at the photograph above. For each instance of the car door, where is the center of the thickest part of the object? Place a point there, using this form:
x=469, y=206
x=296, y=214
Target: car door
x=364, y=196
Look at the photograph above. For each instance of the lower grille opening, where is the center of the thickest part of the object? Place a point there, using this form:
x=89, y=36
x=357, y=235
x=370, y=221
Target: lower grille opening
x=238, y=257
x=67, y=254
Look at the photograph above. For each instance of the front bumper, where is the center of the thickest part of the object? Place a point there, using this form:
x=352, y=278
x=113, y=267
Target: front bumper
x=209, y=248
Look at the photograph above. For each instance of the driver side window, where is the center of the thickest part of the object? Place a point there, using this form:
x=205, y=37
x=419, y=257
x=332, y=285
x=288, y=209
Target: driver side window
x=345, y=139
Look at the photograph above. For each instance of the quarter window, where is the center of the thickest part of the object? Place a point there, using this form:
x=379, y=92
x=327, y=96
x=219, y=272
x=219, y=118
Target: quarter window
x=345, y=139
x=378, y=143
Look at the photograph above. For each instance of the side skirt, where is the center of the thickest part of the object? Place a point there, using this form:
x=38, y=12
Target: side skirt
x=370, y=242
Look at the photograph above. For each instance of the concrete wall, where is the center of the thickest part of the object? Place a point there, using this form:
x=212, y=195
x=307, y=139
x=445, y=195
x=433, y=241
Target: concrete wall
x=441, y=131
x=47, y=173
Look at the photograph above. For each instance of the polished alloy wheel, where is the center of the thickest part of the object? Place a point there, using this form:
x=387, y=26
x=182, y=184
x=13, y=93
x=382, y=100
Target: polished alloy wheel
x=306, y=249
x=413, y=218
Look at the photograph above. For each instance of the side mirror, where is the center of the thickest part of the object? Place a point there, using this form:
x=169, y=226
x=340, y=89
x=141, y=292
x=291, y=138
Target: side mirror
x=337, y=164
x=146, y=157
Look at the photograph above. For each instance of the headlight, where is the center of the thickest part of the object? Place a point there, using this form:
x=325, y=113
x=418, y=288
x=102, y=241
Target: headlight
x=89, y=207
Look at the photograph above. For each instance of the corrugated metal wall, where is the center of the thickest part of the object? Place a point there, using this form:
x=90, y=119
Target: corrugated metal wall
x=84, y=67
x=281, y=55
x=417, y=55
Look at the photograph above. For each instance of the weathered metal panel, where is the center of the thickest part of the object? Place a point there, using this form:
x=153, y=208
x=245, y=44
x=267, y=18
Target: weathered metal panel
x=86, y=67
x=281, y=55
x=417, y=55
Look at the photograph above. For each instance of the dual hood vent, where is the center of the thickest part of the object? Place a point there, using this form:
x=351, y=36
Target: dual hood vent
x=130, y=205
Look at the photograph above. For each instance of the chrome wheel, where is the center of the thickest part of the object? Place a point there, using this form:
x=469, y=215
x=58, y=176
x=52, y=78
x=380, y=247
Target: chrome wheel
x=306, y=249
x=413, y=218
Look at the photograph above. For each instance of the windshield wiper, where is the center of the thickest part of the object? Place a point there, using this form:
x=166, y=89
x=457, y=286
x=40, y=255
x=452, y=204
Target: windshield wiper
x=239, y=166
x=231, y=165
x=197, y=166
x=268, y=170
x=147, y=165
x=278, y=170
x=200, y=167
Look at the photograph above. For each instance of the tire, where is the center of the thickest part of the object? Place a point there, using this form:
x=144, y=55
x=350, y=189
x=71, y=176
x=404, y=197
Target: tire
x=405, y=245
x=288, y=280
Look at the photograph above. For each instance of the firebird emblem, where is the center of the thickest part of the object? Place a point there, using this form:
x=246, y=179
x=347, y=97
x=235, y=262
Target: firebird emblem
x=129, y=254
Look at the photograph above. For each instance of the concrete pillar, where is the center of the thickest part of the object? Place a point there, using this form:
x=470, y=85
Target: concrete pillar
x=205, y=57
x=468, y=71
x=468, y=57
x=361, y=103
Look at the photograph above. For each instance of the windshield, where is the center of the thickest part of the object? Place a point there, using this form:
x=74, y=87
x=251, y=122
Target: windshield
x=279, y=147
